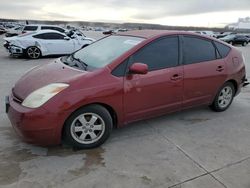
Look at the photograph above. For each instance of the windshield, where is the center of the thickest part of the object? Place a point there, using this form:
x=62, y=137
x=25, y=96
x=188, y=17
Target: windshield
x=104, y=51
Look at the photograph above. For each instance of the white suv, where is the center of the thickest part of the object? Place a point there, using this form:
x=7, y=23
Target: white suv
x=33, y=28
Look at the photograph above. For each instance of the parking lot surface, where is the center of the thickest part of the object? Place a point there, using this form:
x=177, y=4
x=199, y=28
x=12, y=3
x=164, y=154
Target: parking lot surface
x=195, y=148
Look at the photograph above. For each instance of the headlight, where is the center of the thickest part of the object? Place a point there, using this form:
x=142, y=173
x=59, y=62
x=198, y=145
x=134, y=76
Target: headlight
x=40, y=96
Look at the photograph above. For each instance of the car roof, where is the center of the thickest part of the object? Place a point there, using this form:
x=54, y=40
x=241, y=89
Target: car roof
x=157, y=33
x=42, y=25
x=47, y=31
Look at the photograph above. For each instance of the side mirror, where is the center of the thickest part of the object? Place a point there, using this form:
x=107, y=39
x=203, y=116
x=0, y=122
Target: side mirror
x=138, y=68
x=66, y=38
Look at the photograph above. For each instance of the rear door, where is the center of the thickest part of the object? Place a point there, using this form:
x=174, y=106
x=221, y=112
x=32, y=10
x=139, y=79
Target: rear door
x=204, y=70
x=160, y=90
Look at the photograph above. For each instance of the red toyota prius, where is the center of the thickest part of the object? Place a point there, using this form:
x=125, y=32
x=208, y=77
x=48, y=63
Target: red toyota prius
x=120, y=79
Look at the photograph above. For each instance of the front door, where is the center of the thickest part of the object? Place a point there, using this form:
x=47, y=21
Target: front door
x=56, y=43
x=160, y=90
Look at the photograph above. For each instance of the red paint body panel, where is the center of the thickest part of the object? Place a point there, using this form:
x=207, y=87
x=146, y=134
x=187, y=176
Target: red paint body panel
x=202, y=81
x=132, y=97
x=152, y=94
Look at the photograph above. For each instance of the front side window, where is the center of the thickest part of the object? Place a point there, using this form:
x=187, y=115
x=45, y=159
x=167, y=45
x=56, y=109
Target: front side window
x=104, y=51
x=196, y=50
x=159, y=54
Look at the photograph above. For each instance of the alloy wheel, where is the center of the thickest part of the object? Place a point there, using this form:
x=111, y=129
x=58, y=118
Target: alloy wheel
x=33, y=52
x=225, y=97
x=87, y=128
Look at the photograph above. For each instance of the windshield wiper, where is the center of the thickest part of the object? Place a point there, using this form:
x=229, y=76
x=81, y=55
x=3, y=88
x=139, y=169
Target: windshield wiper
x=79, y=62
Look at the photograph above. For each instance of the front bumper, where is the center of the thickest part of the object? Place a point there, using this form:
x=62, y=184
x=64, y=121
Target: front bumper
x=12, y=49
x=15, y=50
x=34, y=126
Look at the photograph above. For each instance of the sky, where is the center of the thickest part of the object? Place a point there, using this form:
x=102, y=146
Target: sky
x=207, y=13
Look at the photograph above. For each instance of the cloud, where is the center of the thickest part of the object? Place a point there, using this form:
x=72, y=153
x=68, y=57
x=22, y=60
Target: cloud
x=142, y=10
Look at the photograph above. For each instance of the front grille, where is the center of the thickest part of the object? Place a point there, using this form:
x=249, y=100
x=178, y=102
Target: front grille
x=16, y=98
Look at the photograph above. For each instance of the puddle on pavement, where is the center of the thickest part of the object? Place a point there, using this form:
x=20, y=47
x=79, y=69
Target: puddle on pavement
x=93, y=159
x=11, y=157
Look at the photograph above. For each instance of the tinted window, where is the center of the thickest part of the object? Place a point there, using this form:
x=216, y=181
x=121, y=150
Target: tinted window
x=223, y=49
x=49, y=36
x=45, y=27
x=59, y=29
x=198, y=50
x=160, y=54
x=30, y=28
x=120, y=69
x=53, y=28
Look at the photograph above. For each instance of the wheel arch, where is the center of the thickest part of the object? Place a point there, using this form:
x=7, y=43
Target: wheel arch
x=41, y=51
x=106, y=106
x=234, y=82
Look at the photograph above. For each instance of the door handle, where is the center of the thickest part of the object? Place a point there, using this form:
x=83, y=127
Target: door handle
x=176, y=77
x=220, y=68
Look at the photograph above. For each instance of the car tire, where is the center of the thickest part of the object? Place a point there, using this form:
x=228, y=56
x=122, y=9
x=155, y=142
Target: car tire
x=33, y=52
x=88, y=127
x=244, y=43
x=224, y=97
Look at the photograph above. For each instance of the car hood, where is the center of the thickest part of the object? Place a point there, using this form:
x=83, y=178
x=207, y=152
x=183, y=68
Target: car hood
x=54, y=72
x=14, y=41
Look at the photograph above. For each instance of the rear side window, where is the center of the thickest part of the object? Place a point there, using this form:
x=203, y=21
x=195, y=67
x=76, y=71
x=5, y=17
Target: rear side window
x=30, y=28
x=53, y=28
x=49, y=36
x=223, y=49
x=197, y=50
x=163, y=53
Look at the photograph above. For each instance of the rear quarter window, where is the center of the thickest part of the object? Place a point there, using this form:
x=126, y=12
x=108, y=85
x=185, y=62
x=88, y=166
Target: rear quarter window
x=53, y=28
x=223, y=49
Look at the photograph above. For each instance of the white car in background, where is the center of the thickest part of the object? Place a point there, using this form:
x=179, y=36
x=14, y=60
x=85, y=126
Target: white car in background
x=34, y=27
x=43, y=43
x=206, y=33
x=14, y=31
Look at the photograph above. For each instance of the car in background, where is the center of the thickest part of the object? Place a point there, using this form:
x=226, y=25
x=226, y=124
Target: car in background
x=14, y=31
x=248, y=37
x=33, y=28
x=2, y=30
x=224, y=34
x=206, y=33
x=235, y=39
x=76, y=33
x=120, y=79
x=108, y=32
x=43, y=43
x=121, y=30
